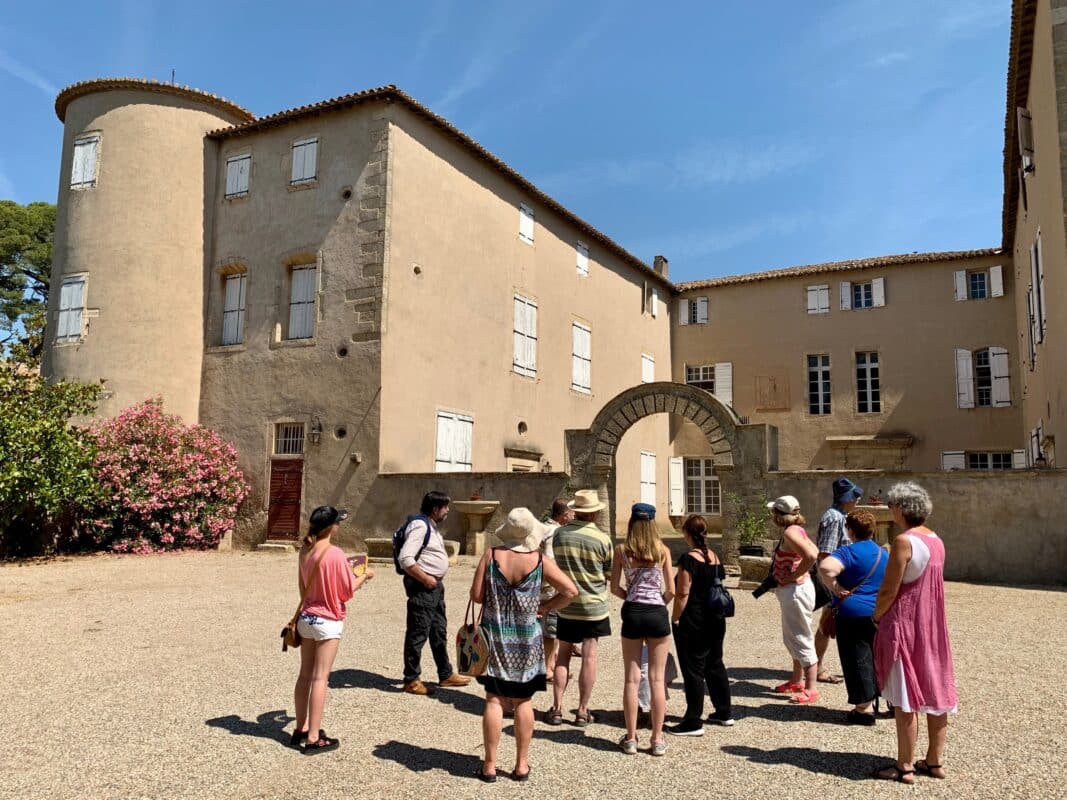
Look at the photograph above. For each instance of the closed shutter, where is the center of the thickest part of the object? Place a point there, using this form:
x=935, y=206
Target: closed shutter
x=454, y=442
x=846, y=296
x=524, y=360
x=1035, y=287
x=724, y=382
x=526, y=223
x=953, y=459
x=1041, y=307
x=813, y=299
x=878, y=292
x=302, y=303
x=305, y=158
x=1018, y=459
x=676, y=486
x=998, y=362
x=683, y=311
x=231, y=178
x=581, y=366
x=648, y=478
x=648, y=368
x=233, y=311
x=71, y=303
x=996, y=281
x=582, y=259
x=964, y=379
x=702, y=310
x=654, y=302
x=959, y=278
x=83, y=169
x=244, y=168
x=1024, y=128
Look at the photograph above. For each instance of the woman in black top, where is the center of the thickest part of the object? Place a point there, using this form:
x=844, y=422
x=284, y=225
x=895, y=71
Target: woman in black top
x=699, y=634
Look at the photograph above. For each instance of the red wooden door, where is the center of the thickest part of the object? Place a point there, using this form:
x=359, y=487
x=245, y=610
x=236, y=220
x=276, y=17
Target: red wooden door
x=283, y=514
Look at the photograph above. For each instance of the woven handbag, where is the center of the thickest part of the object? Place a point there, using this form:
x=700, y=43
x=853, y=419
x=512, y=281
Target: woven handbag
x=472, y=648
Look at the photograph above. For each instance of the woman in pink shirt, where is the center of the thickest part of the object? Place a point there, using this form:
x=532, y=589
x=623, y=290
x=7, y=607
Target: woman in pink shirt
x=326, y=583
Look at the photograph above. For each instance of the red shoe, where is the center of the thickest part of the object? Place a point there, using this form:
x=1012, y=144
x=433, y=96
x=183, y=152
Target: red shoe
x=803, y=698
x=789, y=687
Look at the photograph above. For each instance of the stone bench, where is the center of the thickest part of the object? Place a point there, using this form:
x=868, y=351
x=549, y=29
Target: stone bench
x=753, y=570
x=380, y=551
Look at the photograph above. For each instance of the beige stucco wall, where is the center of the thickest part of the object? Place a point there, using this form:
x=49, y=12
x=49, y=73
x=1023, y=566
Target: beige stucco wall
x=763, y=329
x=447, y=342
x=138, y=235
x=1043, y=398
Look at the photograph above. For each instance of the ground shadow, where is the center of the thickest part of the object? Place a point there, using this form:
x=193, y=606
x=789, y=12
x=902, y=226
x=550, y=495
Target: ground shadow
x=361, y=679
x=572, y=735
x=852, y=766
x=268, y=725
x=424, y=759
x=784, y=711
x=461, y=701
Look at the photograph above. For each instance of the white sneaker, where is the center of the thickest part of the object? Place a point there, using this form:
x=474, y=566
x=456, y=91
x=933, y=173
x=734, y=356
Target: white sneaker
x=628, y=746
x=658, y=748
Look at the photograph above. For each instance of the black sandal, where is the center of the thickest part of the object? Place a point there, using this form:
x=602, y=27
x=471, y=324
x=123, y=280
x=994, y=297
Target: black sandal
x=323, y=744
x=879, y=774
x=923, y=767
x=298, y=738
x=480, y=775
x=515, y=776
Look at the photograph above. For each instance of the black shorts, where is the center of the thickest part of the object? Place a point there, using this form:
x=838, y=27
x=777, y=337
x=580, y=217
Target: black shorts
x=645, y=621
x=576, y=631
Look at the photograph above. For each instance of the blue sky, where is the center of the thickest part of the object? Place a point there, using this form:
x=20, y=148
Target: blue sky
x=730, y=137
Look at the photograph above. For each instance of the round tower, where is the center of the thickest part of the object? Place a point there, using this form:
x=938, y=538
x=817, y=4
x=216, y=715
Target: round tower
x=126, y=303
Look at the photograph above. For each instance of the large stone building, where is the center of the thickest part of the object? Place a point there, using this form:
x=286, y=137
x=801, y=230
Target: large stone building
x=355, y=291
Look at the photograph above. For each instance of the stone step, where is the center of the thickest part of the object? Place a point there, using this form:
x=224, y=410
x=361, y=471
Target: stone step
x=276, y=546
x=380, y=551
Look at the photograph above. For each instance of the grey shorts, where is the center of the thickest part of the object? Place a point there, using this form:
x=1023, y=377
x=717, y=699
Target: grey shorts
x=549, y=624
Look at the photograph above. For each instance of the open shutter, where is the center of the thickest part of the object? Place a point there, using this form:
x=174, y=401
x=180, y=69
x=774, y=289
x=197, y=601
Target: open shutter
x=1035, y=287
x=702, y=310
x=244, y=168
x=878, y=292
x=1018, y=459
x=959, y=278
x=648, y=369
x=587, y=364
x=1024, y=126
x=996, y=281
x=998, y=362
x=846, y=296
x=531, y=337
x=582, y=261
x=683, y=311
x=813, y=299
x=443, y=456
x=462, y=443
x=964, y=379
x=519, y=341
x=1042, y=314
x=654, y=302
x=231, y=177
x=1031, y=318
x=953, y=459
x=724, y=382
x=676, y=486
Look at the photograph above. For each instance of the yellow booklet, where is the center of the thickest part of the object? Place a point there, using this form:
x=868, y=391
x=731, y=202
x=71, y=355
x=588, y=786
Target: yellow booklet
x=358, y=564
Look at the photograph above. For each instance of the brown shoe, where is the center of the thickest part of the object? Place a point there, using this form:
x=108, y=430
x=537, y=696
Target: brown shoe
x=455, y=679
x=417, y=687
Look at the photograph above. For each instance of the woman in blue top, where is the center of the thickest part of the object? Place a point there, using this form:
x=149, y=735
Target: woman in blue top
x=854, y=574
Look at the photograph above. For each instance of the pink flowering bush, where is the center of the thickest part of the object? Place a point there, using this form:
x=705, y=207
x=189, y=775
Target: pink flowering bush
x=168, y=485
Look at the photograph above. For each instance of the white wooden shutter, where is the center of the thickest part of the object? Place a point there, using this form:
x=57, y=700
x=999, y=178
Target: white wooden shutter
x=1024, y=128
x=953, y=459
x=302, y=303
x=683, y=311
x=233, y=309
x=311, y=159
x=648, y=368
x=702, y=310
x=581, y=366
x=526, y=223
x=71, y=302
x=998, y=362
x=1018, y=459
x=244, y=169
x=1035, y=286
x=83, y=168
x=676, y=486
x=813, y=299
x=443, y=456
x=878, y=292
x=648, y=478
x=964, y=379
x=846, y=296
x=305, y=157
x=231, y=177
x=582, y=259
x=63, y=323
x=996, y=282
x=462, y=443
x=525, y=349
x=1031, y=316
x=959, y=278
x=654, y=302
x=587, y=354
x=1042, y=313
x=531, y=336
x=724, y=382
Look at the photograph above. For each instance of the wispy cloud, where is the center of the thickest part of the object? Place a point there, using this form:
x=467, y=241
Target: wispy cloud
x=708, y=241
x=26, y=73
x=889, y=59
x=436, y=24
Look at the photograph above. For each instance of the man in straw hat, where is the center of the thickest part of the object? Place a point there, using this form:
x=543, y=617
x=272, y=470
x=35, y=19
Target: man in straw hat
x=583, y=552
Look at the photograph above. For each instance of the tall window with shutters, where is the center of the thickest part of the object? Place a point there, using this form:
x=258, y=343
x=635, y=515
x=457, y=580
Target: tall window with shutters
x=582, y=259
x=526, y=223
x=982, y=378
x=233, y=310
x=581, y=358
x=238, y=169
x=868, y=383
x=978, y=284
x=455, y=434
x=71, y=309
x=702, y=492
x=819, y=299
x=693, y=311
x=83, y=165
x=868, y=294
x=305, y=160
x=701, y=375
x=524, y=359
x=302, y=302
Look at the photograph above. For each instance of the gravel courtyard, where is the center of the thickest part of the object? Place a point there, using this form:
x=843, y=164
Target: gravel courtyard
x=163, y=677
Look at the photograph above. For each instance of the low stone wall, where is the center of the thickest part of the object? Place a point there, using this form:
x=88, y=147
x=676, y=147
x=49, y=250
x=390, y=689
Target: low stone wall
x=998, y=526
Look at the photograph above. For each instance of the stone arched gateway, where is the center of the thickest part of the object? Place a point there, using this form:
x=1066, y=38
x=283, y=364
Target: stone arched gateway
x=742, y=453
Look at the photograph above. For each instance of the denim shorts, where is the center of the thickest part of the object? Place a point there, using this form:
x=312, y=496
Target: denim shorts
x=319, y=629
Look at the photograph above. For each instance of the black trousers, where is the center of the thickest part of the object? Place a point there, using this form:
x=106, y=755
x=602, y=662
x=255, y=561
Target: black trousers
x=855, y=648
x=700, y=661
x=426, y=620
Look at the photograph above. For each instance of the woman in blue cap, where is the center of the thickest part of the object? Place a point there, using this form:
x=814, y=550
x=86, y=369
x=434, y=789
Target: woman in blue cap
x=646, y=564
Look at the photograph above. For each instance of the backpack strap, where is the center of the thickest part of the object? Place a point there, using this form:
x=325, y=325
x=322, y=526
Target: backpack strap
x=426, y=539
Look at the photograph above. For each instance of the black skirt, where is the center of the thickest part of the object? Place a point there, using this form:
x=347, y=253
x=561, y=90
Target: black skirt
x=645, y=621
x=514, y=690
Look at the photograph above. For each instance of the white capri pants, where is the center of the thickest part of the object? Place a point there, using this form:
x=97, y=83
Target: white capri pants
x=797, y=601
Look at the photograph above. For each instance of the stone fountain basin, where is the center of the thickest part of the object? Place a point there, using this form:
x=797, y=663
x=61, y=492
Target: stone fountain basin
x=475, y=507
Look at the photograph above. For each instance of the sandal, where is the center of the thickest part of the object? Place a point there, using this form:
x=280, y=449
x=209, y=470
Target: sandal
x=803, y=698
x=521, y=778
x=826, y=677
x=924, y=767
x=554, y=716
x=298, y=738
x=323, y=744
x=899, y=775
x=581, y=720
x=789, y=687
x=483, y=777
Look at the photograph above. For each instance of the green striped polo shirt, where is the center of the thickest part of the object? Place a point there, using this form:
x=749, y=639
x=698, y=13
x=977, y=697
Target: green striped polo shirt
x=583, y=552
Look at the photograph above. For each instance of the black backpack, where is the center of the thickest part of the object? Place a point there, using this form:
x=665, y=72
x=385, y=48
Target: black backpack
x=399, y=539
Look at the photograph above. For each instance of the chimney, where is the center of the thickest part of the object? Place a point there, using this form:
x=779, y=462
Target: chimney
x=659, y=263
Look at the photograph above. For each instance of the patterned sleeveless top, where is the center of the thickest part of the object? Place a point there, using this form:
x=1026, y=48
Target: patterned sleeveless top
x=509, y=616
x=783, y=564
x=644, y=584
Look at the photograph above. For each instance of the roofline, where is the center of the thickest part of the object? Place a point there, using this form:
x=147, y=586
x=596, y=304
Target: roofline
x=391, y=93
x=1020, y=54
x=83, y=88
x=839, y=266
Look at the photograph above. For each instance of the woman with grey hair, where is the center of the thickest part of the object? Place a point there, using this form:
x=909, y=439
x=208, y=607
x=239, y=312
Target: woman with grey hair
x=912, y=655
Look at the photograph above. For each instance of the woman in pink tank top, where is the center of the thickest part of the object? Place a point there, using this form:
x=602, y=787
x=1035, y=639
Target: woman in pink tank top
x=912, y=655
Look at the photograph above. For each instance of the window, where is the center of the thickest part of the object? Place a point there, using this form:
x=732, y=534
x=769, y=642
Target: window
x=1037, y=285
x=702, y=376
x=868, y=384
x=581, y=358
x=83, y=165
x=976, y=285
x=989, y=461
x=237, y=171
x=819, y=299
x=870, y=294
x=693, y=312
x=71, y=308
x=454, y=434
x=648, y=368
x=715, y=378
x=233, y=312
x=648, y=477
x=819, y=384
x=302, y=303
x=1024, y=128
x=702, y=492
x=982, y=378
x=653, y=301
x=524, y=360
x=289, y=439
x=526, y=223
x=582, y=259
x=979, y=284
x=1031, y=329
x=305, y=158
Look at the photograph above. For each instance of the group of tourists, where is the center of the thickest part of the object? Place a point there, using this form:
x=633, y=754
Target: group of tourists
x=544, y=596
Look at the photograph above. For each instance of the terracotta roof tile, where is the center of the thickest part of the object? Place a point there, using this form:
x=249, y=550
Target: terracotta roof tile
x=82, y=88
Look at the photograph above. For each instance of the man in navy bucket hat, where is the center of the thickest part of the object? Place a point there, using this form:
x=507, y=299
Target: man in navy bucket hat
x=832, y=535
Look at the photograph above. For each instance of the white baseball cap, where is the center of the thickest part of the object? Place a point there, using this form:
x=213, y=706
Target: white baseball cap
x=786, y=504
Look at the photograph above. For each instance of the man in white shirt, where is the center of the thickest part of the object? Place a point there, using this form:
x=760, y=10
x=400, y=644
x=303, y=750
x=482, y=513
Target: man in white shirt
x=425, y=561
